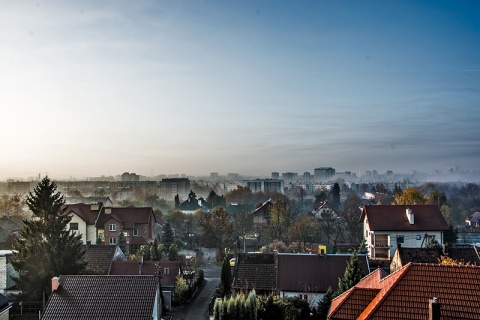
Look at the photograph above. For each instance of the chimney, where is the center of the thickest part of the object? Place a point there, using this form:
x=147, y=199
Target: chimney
x=410, y=216
x=55, y=283
x=434, y=309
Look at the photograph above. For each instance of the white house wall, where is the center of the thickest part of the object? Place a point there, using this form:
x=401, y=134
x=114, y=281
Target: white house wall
x=82, y=227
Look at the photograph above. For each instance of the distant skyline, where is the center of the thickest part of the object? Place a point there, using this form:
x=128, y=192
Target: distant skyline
x=91, y=88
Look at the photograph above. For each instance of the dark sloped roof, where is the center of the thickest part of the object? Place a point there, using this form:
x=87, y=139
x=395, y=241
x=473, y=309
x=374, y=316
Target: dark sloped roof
x=84, y=211
x=102, y=297
x=463, y=253
x=405, y=294
x=255, y=271
x=234, y=208
x=129, y=216
x=313, y=273
x=191, y=204
x=394, y=218
x=419, y=255
x=169, y=269
x=100, y=257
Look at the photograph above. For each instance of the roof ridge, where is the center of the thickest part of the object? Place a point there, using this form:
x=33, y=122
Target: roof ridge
x=384, y=291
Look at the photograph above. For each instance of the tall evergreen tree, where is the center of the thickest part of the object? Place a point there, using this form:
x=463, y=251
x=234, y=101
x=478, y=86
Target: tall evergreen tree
x=177, y=201
x=46, y=248
x=226, y=276
x=167, y=237
x=336, y=195
x=122, y=243
x=324, y=304
x=353, y=274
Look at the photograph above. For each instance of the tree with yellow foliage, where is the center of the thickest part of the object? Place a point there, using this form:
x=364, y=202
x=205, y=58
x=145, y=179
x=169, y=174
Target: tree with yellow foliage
x=449, y=261
x=411, y=196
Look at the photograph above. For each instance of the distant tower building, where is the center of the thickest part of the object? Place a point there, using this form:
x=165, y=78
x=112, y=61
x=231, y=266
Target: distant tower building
x=375, y=174
x=323, y=173
x=307, y=177
x=275, y=175
x=214, y=175
x=174, y=186
x=130, y=177
x=265, y=185
x=290, y=176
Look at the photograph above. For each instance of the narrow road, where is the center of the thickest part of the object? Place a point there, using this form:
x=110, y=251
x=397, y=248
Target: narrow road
x=197, y=309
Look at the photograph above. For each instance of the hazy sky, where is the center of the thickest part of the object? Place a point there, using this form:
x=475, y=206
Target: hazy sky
x=102, y=87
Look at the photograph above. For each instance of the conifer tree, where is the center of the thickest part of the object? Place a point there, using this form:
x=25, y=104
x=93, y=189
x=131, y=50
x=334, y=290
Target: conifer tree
x=324, y=304
x=226, y=276
x=46, y=248
x=167, y=236
x=122, y=243
x=353, y=274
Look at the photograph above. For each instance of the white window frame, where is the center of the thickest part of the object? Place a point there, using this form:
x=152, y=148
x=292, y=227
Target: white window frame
x=112, y=241
x=112, y=227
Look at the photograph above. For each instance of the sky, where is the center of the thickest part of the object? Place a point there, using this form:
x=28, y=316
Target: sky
x=90, y=88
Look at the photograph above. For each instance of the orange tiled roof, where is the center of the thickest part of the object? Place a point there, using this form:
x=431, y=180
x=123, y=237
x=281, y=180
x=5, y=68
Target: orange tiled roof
x=405, y=294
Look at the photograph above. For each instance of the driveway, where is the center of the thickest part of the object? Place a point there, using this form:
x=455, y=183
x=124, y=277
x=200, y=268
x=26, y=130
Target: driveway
x=197, y=309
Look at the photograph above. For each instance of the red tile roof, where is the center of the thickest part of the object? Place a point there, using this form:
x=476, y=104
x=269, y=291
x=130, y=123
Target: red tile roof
x=394, y=218
x=129, y=216
x=255, y=271
x=84, y=211
x=405, y=294
x=100, y=257
x=169, y=270
x=102, y=297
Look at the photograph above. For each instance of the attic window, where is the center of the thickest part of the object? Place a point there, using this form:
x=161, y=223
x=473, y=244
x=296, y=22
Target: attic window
x=400, y=239
x=73, y=226
x=112, y=227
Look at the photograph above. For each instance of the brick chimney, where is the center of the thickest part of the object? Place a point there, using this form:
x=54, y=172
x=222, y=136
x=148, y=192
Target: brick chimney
x=55, y=283
x=434, y=307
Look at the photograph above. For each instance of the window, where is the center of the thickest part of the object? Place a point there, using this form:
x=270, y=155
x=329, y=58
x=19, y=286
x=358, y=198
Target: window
x=419, y=237
x=112, y=227
x=112, y=240
x=399, y=239
x=135, y=232
x=144, y=229
x=73, y=226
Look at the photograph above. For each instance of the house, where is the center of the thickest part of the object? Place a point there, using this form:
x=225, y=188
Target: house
x=83, y=220
x=7, y=272
x=255, y=271
x=100, y=258
x=169, y=270
x=9, y=226
x=236, y=208
x=413, y=226
x=139, y=226
x=261, y=216
x=416, y=291
x=474, y=220
x=135, y=297
x=191, y=205
x=461, y=253
x=308, y=276
x=324, y=211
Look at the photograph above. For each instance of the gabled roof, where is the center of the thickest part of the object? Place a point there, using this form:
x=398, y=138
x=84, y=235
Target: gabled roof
x=255, y=271
x=313, y=273
x=234, y=208
x=169, y=270
x=11, y=224
x=463, y=253
x=475, y=217
x=84, y=211
x=405, y=294
x=394, y=218
x=100, y=257
x=263, y=207
x=419, y=255
x=191, y=204
x=129, y=216
x=102, y=297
